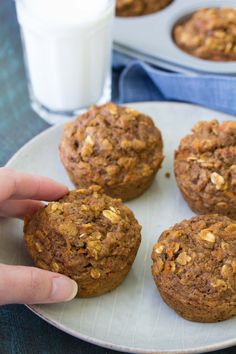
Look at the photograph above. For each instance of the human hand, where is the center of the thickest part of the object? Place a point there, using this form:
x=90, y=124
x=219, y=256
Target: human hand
x=21, y=194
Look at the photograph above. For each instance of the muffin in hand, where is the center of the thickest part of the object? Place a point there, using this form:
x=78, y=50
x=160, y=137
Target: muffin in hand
x=115, y=147
x=194, y=268
x=87, y=236
x=205, y=168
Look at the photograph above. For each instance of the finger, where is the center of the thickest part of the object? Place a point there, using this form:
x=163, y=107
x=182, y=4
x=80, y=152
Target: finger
x=28, y=285
x=19, y=208
x=19, y=185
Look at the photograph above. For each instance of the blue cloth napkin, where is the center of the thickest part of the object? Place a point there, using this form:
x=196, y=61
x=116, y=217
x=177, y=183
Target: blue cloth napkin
x=139, y=81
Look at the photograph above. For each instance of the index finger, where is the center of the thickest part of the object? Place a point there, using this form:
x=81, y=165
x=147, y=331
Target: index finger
x=19, y=185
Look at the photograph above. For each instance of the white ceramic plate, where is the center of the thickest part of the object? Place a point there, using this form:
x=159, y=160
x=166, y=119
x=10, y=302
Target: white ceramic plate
x=150, y=37
x=132, y=318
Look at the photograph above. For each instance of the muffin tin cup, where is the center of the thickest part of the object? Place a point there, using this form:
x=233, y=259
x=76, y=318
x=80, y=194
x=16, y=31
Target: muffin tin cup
x=150, y=37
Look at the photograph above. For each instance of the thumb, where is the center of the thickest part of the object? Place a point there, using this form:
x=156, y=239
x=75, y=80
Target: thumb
x=30, y=285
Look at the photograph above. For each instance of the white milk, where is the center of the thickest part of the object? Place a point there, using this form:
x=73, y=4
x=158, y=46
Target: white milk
x=67, y=45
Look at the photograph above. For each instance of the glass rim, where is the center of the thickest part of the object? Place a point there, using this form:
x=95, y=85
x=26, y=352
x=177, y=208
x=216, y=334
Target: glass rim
x=24, y=15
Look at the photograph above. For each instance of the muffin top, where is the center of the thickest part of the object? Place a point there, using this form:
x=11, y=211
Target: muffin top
x=207, y=158
x=112, y=145
x=198, y=258
x=139, y=7
x=209, y=34
x=85, y=230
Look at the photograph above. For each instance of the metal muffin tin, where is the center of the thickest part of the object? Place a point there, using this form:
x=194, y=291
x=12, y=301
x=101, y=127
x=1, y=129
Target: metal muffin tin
x=150, y=38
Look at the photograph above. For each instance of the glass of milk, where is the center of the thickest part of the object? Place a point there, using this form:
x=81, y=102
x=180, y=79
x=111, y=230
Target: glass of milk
x=67, y=50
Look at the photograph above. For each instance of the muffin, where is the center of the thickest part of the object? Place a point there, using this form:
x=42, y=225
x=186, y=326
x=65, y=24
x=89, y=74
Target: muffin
x=194, y=268
x=127, y=8
x=209, y=34
x=115, y=147
x=87, y=236
x=205, y=168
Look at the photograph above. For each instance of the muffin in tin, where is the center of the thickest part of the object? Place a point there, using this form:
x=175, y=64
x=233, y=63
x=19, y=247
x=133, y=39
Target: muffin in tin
x=126, y=8
x=115, y=147
x=205, y=168
x=194, y=268
x=87, y=236
x=209, y=34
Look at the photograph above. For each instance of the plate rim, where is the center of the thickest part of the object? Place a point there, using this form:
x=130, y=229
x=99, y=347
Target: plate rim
x=123, y=348
x=95, y=341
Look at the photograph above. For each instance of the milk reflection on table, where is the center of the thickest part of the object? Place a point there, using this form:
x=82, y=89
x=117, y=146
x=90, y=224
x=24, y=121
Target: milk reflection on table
x=67, y=48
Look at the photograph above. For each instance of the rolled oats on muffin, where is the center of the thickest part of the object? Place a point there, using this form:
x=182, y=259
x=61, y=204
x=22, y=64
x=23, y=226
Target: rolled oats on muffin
x=127, y=8
x=209, y=34
x=194, y=268
x=205, y=168
x=115, y=147
x=87, y=236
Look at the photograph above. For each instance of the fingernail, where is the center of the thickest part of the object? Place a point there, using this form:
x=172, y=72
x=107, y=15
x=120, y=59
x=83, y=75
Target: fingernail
x=64, y=187
x=63, y=289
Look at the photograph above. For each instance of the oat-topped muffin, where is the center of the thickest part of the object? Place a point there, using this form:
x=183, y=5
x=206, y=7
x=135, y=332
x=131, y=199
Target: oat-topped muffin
x=205, y=168
x=194, y=268
x=209, y=34
x=87, y=236
x=115, y=147
x=139, y=7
